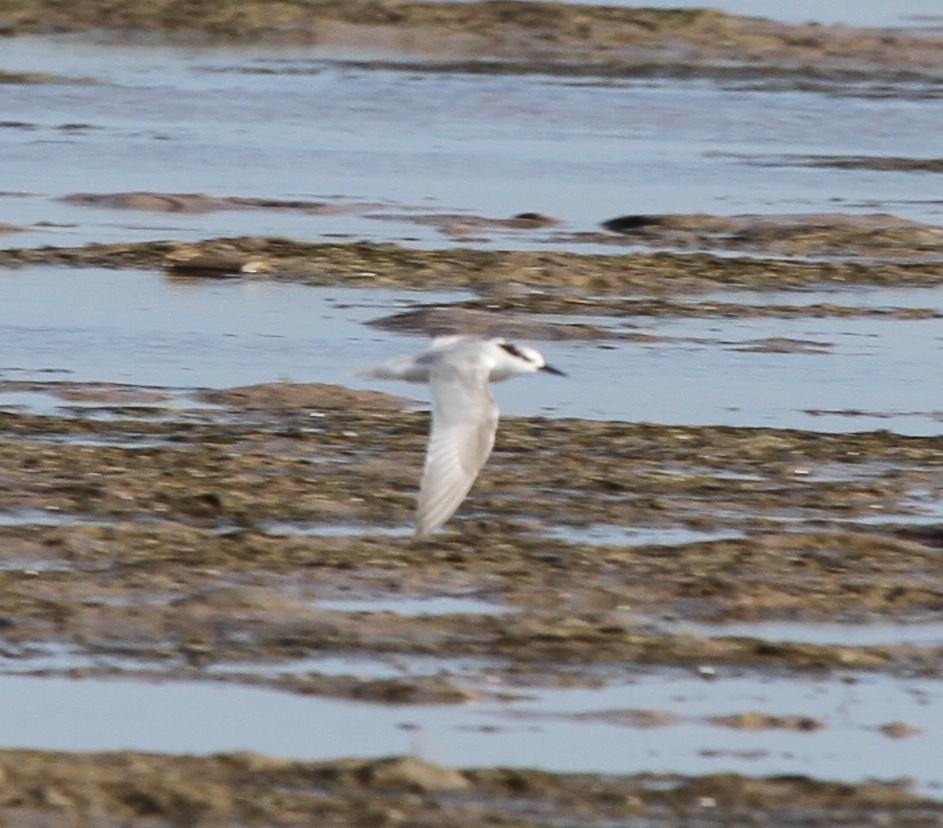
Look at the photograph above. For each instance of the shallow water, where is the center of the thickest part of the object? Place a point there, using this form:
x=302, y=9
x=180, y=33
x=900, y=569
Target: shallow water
x=847, y=635
x=200, y=334
x=418, y=606
x=598, y=727
x=217, y=334
x=41, y=517
x=51, y=659
x=304, y=124
x=636, y=535
x=384, y=145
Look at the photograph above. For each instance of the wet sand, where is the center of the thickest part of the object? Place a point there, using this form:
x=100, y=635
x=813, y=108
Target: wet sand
x=207, y=519
x=233, y=535
x=194, y=534
x=662, y=39
x=847, y=251
x=245, y=789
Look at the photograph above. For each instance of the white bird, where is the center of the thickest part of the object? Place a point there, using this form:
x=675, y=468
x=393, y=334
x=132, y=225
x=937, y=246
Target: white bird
x=464, y=416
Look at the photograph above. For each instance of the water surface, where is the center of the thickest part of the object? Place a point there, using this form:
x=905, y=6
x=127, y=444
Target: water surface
x=389, y=146
x=833, y=374
x=577, y=730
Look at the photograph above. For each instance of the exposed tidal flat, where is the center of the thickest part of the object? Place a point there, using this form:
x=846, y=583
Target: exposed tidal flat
x=590, y=32
x=699, y=580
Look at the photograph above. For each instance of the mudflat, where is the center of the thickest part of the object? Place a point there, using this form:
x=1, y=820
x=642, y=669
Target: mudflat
x=233, y=535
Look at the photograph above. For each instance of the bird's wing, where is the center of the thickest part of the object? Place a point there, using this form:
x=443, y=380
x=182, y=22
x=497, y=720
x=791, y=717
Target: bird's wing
x=464, y=422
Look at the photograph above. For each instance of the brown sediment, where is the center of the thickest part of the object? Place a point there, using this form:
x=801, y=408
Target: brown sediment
x=818, y=237
x=883, y=163
x=180, y=542
x=614, y=36
x=457, y=224
x=508, y=316
x=382, y=265
x=196, y=203
x=294, y=395
x=59, y=789
x=213, y=537
x=805, y=234
x=36, y=78
x=183, y=513
x=474, y=319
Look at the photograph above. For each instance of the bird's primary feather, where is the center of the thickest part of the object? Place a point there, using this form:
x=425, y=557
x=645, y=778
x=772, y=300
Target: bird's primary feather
x=464, y=423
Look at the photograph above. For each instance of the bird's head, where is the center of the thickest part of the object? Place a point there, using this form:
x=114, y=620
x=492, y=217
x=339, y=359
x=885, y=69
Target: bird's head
x=519, y=359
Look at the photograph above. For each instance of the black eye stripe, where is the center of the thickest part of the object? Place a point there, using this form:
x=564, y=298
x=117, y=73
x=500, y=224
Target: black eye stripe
x=513, y=350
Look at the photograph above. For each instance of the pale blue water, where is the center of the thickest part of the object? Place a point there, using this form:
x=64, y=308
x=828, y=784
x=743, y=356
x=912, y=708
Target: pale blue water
x=705, y=371
x=388, y=144
x=538, y=730
x=303, y=124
